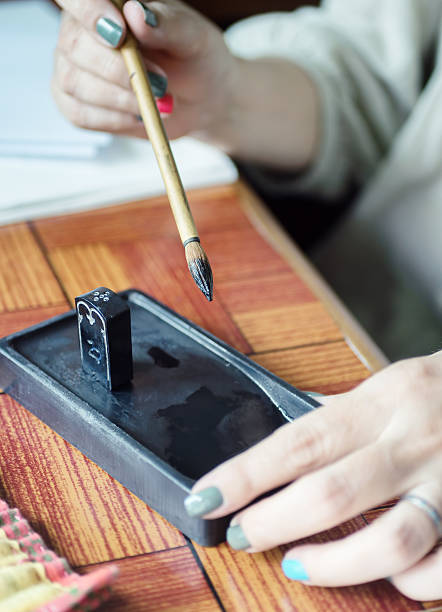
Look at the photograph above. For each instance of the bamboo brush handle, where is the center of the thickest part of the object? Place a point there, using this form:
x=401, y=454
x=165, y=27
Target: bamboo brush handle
x=157, y=136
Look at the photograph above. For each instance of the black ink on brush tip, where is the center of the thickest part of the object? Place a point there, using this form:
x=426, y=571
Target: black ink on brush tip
x=199, y=266
x=202, y=275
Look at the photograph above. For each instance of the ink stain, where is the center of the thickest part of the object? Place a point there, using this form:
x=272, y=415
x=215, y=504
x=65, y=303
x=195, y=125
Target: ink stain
x=207, y=428
x=163, y=359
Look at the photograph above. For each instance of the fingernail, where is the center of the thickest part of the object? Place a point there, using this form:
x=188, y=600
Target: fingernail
x=236, y=538
x=149, y=16
x=294, y=569
x=110, y=31
x=199, y=504
x=158, y=82
x=165, y=104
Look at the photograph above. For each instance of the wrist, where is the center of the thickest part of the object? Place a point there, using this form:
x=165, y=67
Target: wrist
x=221, y=125
x=268, y=114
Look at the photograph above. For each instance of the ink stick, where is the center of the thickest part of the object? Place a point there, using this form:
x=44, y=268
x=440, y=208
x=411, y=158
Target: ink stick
x=104, y=330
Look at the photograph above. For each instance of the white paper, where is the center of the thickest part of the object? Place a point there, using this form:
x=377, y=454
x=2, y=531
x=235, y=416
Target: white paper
x=33, y=188
x=47, y=166
x=30, y=121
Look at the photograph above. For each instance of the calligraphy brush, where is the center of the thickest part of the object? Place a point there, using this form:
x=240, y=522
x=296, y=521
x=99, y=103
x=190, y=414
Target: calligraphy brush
x=197, y=260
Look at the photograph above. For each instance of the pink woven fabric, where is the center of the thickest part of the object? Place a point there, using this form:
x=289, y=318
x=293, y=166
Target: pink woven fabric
x=84, y=592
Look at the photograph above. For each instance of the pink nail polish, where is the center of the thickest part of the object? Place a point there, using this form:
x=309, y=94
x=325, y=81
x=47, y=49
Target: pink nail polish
x=165, y=104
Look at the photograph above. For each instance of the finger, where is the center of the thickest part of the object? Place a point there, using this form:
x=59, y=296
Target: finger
x=423, y=580
x=91, y=89
x=307, y=444
x=101, y=17
x=318, y=501
x=393, y=543
x=82, y=50
x=96, y=118
x=180, y=31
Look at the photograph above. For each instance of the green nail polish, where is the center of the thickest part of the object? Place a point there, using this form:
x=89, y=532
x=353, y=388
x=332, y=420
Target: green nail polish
x=199, y=504
x=236, y=538
x=149, y=17
x=158, y=82
x=110, y=31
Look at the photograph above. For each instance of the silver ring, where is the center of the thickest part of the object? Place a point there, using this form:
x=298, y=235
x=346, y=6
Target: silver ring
x=429, y=510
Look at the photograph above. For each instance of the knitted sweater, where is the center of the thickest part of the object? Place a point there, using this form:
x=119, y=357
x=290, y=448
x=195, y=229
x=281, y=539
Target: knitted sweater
x=377, y=67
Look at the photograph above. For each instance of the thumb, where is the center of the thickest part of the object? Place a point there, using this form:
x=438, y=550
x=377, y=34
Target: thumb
x=168, y=26
x=101, y=17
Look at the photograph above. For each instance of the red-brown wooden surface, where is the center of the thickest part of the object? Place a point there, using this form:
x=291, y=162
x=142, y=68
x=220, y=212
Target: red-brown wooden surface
x=261, y=307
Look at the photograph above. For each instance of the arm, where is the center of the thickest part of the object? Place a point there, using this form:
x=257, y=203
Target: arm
x=260, y=123
x=365, y=60
x=218, y=97
x=318, y=87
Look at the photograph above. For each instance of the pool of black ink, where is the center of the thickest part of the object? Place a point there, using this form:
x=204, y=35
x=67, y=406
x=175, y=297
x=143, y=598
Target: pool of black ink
x=162, y=359
x=190, y=407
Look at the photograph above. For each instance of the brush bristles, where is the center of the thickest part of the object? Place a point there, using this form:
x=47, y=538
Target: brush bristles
x=200, y=268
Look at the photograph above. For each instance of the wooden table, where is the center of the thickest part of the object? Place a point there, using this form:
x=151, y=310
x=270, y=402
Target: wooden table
x=264, y=306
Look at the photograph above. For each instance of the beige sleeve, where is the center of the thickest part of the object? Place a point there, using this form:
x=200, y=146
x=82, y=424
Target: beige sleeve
x=367, y=60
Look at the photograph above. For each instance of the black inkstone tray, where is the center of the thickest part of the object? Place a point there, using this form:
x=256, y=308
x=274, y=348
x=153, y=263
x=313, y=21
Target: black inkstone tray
x=193, y=403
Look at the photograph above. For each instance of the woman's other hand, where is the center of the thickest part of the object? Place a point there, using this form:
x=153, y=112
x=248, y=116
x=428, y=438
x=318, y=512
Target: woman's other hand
x=362, y=448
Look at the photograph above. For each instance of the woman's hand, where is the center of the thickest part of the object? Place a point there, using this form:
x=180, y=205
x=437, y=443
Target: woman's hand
x=361, y=449
x=184, y=51
x=264, y=111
